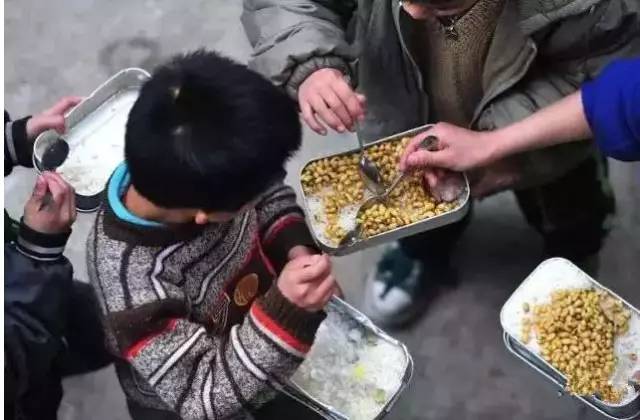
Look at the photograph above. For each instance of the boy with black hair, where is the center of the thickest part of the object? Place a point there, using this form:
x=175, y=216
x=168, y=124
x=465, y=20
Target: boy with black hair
x=209, y=286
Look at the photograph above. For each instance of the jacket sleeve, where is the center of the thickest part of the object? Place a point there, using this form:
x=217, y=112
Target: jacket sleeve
x=575, y=49
x=612, y=107
x=201, y=374
x=37, y=284
x=293, y=38
x=282, y=224
x=17, y=147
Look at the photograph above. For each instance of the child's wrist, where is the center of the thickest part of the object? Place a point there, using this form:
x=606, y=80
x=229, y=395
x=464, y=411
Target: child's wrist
x=297, y=321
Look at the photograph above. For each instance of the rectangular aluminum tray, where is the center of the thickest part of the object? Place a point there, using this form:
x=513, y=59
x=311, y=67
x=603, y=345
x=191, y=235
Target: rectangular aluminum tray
x=565, y=275
x=339, y=306
x=124, y=80
x=394, y=234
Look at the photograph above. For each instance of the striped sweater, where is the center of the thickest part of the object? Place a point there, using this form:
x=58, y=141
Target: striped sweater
x=193, y=314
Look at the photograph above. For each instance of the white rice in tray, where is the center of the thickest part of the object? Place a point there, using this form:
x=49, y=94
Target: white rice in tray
x=97, y=144
x=351, y=369
x=559, y=274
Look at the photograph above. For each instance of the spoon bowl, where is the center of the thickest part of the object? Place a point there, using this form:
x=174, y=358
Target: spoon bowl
x=369, y=171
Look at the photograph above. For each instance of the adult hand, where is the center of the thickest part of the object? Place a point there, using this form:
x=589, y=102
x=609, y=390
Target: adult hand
x=51, y=209
x=307, y=282
x=494, y=178
x=459, y=149
x=52, y=118
x=326, y=99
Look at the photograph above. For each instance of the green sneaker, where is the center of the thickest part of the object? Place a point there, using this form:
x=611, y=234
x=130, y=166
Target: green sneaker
x=395, y=290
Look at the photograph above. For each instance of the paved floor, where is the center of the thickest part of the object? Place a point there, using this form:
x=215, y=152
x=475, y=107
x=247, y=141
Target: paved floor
x=462, y=370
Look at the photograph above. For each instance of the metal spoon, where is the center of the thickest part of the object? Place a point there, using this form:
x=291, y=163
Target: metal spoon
x=354, y=235
x=369, y=171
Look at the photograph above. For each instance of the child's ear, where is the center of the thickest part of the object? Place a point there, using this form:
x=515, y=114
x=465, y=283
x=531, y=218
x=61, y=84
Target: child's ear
x=201, y=218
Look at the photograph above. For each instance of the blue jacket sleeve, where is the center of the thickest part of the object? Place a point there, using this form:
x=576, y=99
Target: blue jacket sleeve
x=612, y=107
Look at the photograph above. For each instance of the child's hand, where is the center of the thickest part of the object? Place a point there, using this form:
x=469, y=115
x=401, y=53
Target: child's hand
x=300, y=251
x=307, y=282
x=54, y=213
x=52, y=118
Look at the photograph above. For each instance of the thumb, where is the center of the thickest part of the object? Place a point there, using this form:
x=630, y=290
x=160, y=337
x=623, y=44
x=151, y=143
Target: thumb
x=39, y=191
x=40, y=188
x=421, y=159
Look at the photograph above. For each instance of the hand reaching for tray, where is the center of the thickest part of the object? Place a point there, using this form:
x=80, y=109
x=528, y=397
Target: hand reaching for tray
x=435, y=162
x=326, y=98
x=52, y=118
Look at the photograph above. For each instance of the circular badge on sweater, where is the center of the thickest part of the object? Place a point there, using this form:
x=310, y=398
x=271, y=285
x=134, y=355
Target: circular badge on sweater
x=246, y=289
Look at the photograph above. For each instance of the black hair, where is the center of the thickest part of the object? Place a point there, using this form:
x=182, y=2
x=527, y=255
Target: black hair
x=208, y=133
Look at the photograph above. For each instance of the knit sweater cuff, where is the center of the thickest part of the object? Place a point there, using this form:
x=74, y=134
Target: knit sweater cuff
x=288, y=325
x=304, y=70
x=286, y=233
x=20, y=147
x=41, y=246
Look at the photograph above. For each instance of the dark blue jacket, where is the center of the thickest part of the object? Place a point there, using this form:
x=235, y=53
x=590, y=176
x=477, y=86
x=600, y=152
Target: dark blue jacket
x=612, y=106
x=37, y=285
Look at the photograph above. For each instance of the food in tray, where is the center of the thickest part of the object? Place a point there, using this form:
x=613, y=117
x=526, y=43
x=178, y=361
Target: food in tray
x=97, y=144
x=351, y=369
x=335, y=182
x=576, y=331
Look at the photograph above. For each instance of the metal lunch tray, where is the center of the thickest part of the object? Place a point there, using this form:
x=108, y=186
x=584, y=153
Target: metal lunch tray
x=394, y=234
x=625, y=411
x=345, y=310
x=124, y=80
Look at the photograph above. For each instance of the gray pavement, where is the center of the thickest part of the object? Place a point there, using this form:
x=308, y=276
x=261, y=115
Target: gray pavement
x=462, y=370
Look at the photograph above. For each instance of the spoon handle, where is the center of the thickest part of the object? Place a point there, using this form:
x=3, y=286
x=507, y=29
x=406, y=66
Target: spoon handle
x=360, y=141
x=395, y=183
x=429, y=143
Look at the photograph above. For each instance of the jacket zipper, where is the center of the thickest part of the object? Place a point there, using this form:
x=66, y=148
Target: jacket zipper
x=416, y=70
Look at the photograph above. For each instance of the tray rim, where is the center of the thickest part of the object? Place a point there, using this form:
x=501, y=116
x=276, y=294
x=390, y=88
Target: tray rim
x=83, y=107
x=596, y=284
x=365, y=321
x=88, y=98
x=390, y=235
x=508, y=338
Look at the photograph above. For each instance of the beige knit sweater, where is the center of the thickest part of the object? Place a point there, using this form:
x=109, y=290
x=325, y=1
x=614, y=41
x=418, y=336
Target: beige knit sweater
x=452, y=65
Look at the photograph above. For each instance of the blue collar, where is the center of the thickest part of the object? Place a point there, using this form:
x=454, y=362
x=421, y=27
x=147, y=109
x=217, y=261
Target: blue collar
x=116, y=188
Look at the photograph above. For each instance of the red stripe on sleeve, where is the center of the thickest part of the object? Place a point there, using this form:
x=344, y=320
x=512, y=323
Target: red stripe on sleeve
x=137, y=347
x=282, y=334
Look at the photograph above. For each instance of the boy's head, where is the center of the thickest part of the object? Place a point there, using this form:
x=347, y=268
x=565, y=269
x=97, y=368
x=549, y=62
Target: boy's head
x=207, y=136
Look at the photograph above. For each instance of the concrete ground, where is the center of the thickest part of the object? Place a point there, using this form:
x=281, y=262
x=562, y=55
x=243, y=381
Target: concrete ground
x=462, y=370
